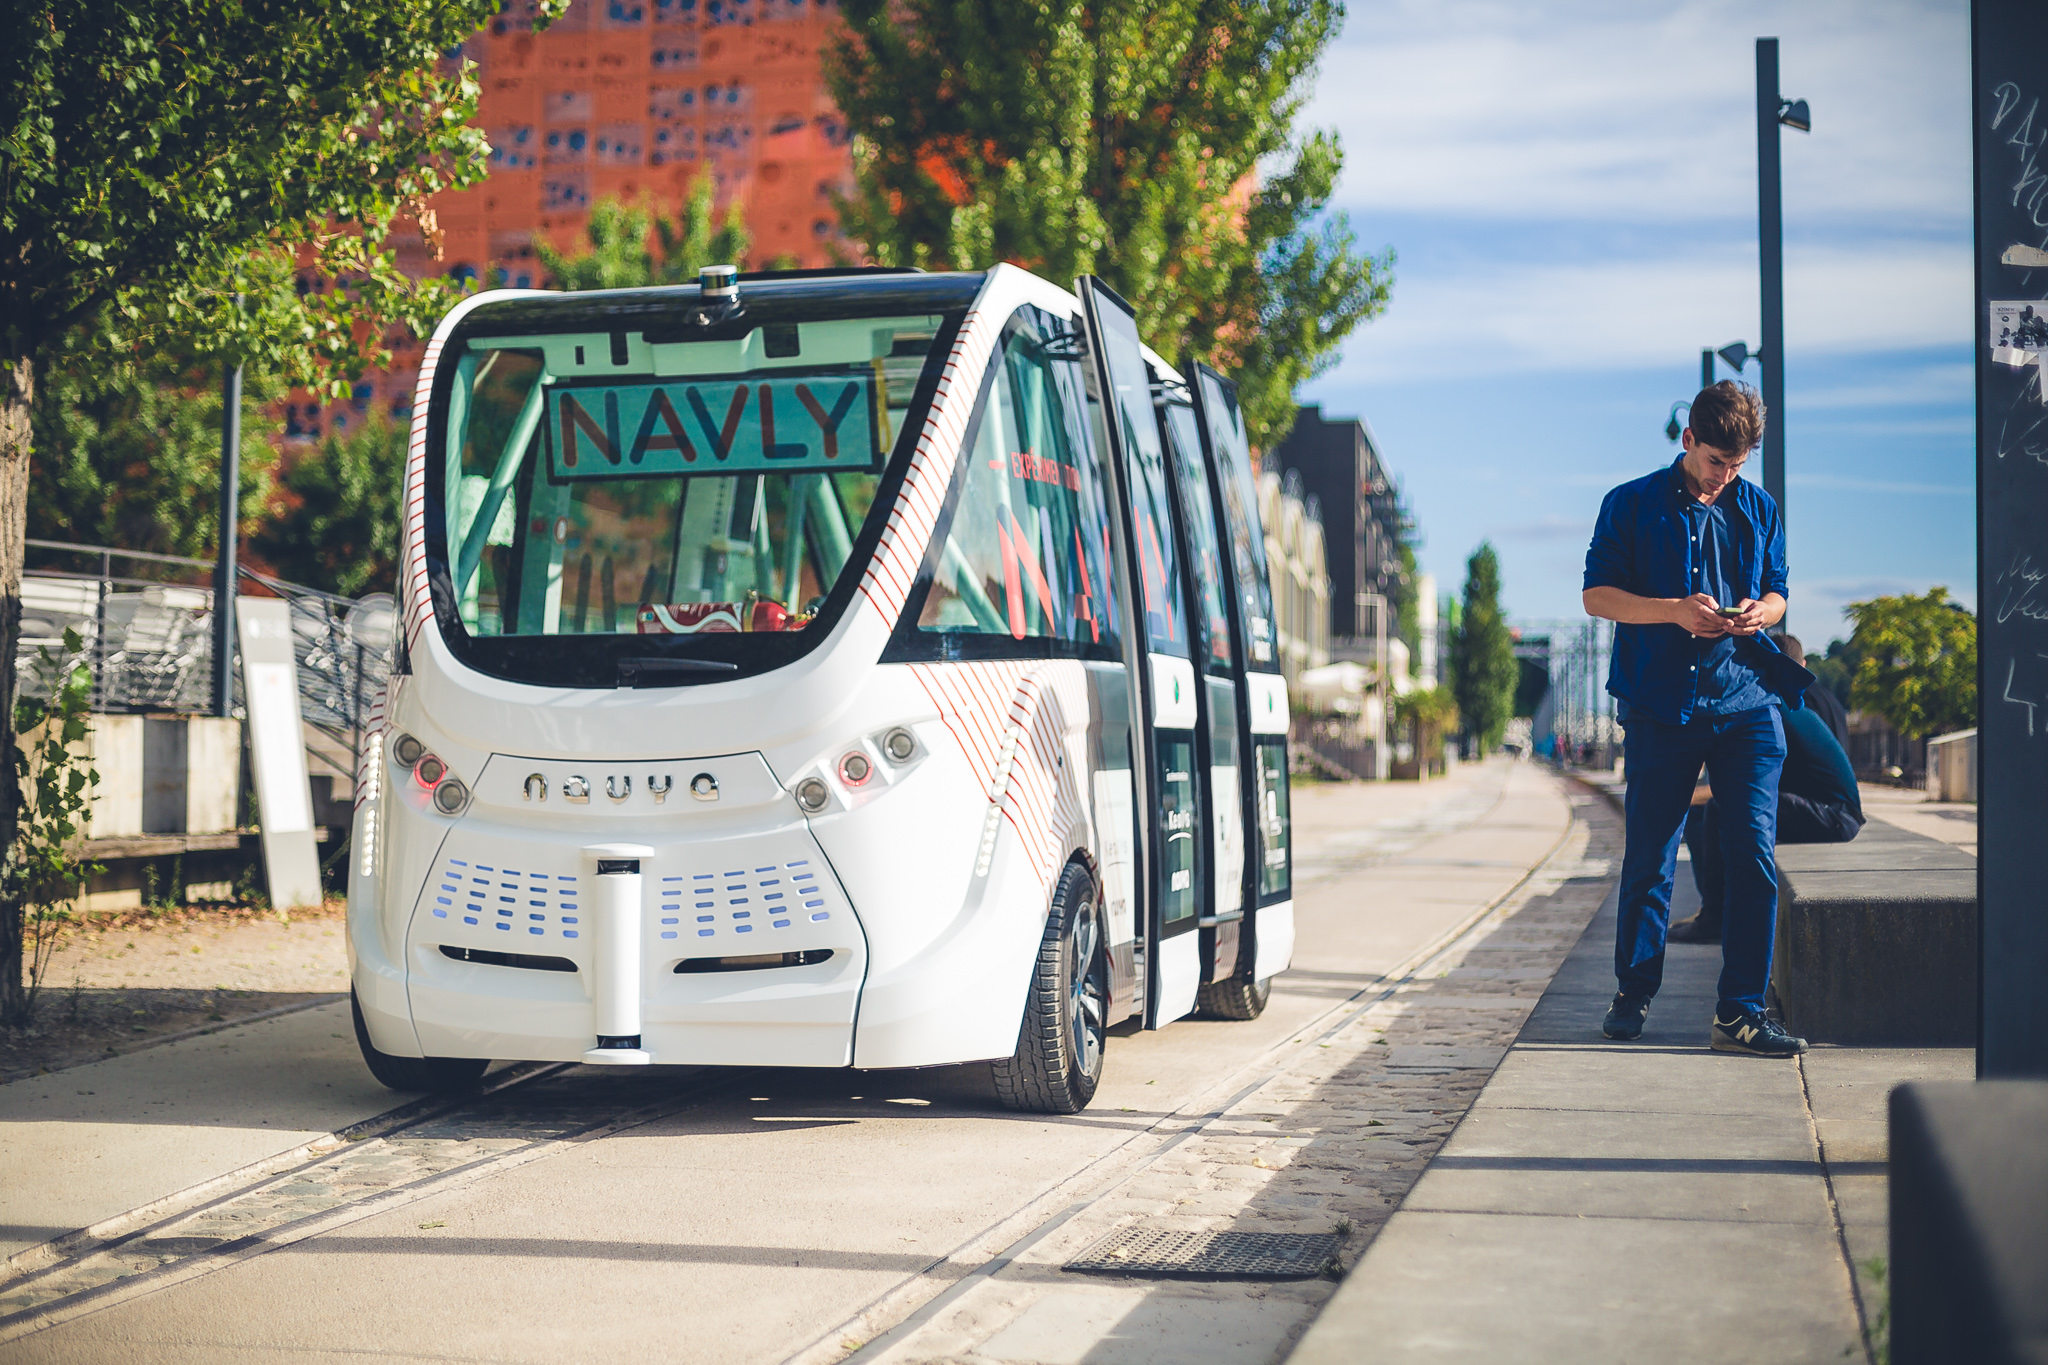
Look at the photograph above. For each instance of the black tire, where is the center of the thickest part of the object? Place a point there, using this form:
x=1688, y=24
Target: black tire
x=432, y=1075
x=1235, y=998
x=1058, y=1061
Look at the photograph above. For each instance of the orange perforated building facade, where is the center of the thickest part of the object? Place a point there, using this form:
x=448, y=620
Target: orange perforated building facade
x=631, y=99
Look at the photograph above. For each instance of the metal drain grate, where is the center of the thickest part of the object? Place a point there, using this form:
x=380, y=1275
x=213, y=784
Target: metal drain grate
x=1174, y=1254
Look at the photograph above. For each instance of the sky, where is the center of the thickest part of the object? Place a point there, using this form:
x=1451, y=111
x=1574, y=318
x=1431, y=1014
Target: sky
x=1569, y=187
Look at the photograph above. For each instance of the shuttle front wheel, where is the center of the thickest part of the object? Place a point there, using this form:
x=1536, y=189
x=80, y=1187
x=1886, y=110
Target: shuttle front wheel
x=1059, y=1049
x=430, y=1074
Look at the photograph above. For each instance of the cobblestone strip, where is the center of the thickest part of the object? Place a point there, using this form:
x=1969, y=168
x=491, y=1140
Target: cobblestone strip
x=74, y=1245
x=508, y=1127
x=1333, y=1142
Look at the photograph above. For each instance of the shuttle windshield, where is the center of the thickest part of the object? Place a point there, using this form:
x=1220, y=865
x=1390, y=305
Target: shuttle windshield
x=684, y=501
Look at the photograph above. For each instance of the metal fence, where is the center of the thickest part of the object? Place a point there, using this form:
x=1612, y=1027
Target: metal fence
x=1579, y=714
x=147, y=635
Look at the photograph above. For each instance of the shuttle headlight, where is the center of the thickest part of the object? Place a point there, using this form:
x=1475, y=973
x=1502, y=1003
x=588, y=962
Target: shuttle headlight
x=448, y=793
x=899, y=744
x=855, y=770
x=812, y=794
x=450, y=796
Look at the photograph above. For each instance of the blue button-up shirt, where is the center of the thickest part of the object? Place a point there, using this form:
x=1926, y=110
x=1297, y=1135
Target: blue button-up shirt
x=1652, y=540
x=1723, y=685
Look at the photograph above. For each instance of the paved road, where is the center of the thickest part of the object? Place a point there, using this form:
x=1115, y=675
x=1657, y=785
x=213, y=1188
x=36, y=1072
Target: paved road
x=698, y=1214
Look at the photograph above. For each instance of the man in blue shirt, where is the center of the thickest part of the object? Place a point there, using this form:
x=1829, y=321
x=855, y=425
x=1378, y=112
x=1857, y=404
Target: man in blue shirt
x=1689, y=562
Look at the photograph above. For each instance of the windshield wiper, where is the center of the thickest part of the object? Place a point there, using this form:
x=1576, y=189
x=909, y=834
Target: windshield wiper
x=646, y=672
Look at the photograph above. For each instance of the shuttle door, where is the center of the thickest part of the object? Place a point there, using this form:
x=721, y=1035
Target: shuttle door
x=1166, y=709
x=1261, y=689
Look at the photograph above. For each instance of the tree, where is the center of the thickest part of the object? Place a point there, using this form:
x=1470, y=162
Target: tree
x=1836, y=669
x=1147, y=141
x=1917, y=662
x=129, y=455
x=336, y=523
x=620, y=257
x=1483, y=671
x=172, y=170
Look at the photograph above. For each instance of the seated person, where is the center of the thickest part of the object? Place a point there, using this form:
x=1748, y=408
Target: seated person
x=1817, y=801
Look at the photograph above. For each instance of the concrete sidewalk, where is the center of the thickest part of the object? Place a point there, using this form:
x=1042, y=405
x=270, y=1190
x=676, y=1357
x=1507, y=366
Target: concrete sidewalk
x=89, y=1142
x=1638, y=1201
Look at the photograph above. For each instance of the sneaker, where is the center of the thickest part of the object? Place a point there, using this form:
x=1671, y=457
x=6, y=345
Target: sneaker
x=1756, y=1033
x=1699, y=929
x=1625, y=1017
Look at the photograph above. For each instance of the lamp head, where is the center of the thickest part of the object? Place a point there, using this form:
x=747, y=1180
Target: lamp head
x=1673, y=427
x=1736, y=353
x=1795, y=114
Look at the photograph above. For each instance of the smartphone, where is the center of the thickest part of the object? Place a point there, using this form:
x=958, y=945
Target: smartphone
x=1729, y=612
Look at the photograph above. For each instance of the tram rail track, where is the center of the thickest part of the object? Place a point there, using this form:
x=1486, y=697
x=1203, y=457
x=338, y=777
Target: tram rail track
x=918, y=1298
x=384, y=1163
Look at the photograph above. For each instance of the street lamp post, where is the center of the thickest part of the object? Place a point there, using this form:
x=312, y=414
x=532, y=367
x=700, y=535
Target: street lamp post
x=1771, y=111
x=224, y=564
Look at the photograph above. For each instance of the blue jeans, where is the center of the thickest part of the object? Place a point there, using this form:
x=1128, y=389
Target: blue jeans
x=1744, y=755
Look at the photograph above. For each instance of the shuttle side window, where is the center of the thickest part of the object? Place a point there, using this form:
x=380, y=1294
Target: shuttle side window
x=1238, y=486
x=1199, y=513
x=1023, y=553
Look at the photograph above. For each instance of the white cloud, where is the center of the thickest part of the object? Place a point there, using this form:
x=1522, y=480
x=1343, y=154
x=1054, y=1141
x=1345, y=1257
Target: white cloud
x=1645, y=113
x=1650, y=311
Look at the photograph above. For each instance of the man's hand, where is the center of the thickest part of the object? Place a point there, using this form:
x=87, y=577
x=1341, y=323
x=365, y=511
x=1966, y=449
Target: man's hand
x=1700, y=614
x=1757, y=615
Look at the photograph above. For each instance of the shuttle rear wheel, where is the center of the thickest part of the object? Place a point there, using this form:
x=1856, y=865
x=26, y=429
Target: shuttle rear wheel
x=1059, y=1049
x=431, y=1074
x=1238, y=998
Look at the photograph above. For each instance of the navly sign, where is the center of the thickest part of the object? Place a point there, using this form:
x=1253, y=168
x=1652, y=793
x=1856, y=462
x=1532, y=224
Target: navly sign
x=785, y=422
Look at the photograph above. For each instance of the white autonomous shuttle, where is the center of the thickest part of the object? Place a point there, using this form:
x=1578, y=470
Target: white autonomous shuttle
x=837, y=668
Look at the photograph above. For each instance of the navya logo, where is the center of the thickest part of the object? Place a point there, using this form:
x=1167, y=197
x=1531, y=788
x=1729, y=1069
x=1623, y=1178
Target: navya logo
x=784, y=422
x=618, y=788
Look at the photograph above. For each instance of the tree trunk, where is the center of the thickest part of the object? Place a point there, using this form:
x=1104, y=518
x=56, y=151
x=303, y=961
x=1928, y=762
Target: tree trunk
x=17, y=394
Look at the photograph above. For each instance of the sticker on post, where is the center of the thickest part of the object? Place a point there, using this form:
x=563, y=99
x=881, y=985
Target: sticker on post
x=2019, y=332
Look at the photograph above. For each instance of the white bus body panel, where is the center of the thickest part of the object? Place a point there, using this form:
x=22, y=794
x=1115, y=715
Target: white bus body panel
x=1275, y=942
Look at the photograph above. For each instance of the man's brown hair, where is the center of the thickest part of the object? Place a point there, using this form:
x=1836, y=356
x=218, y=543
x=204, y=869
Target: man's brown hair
x=1728, y=416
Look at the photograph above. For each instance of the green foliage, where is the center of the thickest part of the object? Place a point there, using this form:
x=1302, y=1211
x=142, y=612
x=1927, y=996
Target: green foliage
x=1147, y=141
x=1402, y=593
x=1483, y=672
x=1435, y=708
x=1837, y=669
x=1879, y=1309
x=336, y=523
x=169, y=168
x=129, y=456
x=1917, y=664
x=164, y=156
x=43, y=870
x=620, y=256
